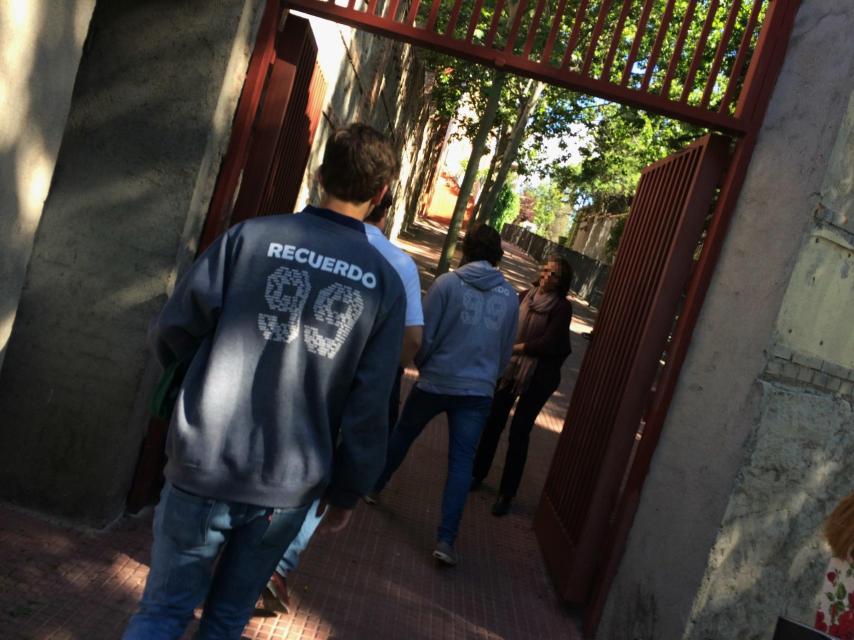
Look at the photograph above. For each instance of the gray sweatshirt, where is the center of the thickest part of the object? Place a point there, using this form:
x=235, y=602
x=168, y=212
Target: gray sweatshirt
x=296, y=323
x=470, y=319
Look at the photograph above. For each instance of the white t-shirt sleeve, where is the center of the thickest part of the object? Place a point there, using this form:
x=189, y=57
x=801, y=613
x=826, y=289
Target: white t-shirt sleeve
x=405, y=268
x=412, y=286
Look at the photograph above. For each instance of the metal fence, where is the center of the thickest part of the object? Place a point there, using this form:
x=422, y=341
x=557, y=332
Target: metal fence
x=589, y=275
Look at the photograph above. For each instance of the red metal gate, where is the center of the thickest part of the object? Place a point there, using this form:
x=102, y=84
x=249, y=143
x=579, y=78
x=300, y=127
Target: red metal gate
x=273, y=130
x=274, y=126
x=615, y=383
x=709, y=62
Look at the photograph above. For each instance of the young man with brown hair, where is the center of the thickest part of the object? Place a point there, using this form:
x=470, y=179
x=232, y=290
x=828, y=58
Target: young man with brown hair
x=296, y=324
x=276, y=594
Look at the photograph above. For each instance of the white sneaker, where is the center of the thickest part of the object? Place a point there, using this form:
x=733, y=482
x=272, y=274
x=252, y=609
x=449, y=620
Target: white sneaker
x=445, y=553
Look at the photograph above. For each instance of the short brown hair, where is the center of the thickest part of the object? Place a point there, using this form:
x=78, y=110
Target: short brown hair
x=482, y=243
x=839, y=529
x=357, y=162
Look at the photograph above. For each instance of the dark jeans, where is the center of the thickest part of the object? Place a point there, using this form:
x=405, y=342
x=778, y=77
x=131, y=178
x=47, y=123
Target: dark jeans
x=290, y=560
x=466, y=415
x=394, y=401
x=530, y=404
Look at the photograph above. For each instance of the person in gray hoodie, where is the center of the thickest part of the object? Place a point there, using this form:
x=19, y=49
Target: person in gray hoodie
x=470, y=318
x=293, y=326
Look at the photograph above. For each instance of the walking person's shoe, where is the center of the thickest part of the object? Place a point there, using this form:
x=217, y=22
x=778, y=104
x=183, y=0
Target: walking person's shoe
x=275, y=594
x=445, y=554
x=502, y=506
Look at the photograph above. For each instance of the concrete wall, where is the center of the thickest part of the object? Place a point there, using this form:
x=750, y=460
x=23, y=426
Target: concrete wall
x=149, y=121
x=768, y=552
x=748, y=464
x=40, y=47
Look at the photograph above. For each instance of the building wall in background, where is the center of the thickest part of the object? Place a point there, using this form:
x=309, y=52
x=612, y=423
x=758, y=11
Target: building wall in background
x=379, y=82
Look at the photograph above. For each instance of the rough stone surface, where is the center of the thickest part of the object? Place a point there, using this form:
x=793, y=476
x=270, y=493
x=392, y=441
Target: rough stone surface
x=41, y=43
x=147, y=101
x=705, y=440
x=768, y=559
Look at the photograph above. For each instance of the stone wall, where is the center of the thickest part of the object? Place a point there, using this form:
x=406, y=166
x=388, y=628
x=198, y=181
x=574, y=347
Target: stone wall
x=40, y=47
x=753, y=452
x=149, y=121
x=768, y=558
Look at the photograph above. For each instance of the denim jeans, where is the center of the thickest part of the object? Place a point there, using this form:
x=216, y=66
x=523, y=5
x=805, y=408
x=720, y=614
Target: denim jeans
x=466, y=417
x=290, y=559
x=204, y=549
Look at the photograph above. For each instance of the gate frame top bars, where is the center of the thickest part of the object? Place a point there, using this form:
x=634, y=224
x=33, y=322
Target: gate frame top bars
x=734, y=114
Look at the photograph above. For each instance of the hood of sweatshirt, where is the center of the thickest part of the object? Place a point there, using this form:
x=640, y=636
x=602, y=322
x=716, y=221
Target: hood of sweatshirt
x=470, y=319
x=481, y=275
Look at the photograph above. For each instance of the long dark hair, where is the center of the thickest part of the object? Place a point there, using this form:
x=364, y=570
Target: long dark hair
x=564, y=273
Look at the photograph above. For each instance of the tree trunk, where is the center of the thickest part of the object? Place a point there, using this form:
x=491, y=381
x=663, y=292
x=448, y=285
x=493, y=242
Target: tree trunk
x=535, y=90
x=477, y=151
x=500, y=146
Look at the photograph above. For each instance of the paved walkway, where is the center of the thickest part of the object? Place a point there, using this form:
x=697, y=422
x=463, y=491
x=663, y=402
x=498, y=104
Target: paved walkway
x=375, y=580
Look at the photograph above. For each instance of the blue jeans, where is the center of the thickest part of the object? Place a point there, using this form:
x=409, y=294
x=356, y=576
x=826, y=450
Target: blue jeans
x=466, y=417
x=190, y=534
x=290, y=559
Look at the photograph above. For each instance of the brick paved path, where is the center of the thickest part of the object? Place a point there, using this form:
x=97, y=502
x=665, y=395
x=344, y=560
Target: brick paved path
x=375, y=580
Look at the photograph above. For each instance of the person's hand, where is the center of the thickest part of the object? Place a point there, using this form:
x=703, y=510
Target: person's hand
x=335, y=518
x=519, y=347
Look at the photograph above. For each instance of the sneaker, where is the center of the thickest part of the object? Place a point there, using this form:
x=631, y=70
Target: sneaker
x=275, y=594
x=501, y=506
x=445, y=553
x=372, y=498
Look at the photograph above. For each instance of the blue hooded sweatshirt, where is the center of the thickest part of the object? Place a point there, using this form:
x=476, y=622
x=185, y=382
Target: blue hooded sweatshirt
x=470, y=319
